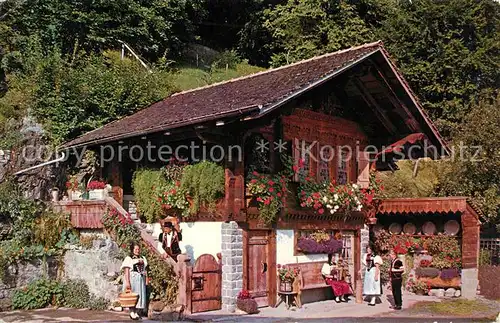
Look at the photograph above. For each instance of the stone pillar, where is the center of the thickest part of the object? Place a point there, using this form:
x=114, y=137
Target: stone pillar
x=469, y=284
x=232, y=264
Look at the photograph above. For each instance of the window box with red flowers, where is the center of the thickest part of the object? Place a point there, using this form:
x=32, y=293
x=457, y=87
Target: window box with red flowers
x=329, y=198
x=269, y=191
x=97, y=190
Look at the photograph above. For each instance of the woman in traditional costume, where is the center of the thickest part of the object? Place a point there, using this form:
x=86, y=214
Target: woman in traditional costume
x=372, y=286
x=134, y=279
x=334, y=276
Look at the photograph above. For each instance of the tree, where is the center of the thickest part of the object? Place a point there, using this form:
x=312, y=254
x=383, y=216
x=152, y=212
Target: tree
x=448, y=50
x=304, y=28
x=478, y=175
x=72, y=95
x=155, y=28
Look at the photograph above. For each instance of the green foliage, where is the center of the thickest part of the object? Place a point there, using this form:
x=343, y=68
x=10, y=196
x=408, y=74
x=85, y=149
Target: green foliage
x=304, y=28
x=476, y=167
x=204, y=182
x=448, y=51
x=51, y=227
x=163, y=283
x=72, y=97
x=145, y=184
x=123, y=228
x=76, y=293
x=401, y=183
x=484, y=257
x=98, y=303
x=154, y=28
x=38, y=294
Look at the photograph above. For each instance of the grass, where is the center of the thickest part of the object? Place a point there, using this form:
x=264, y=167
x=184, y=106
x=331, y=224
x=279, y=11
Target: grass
x=190, y=77
x=457, y=307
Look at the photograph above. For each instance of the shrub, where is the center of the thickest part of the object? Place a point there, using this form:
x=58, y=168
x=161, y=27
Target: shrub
x=487, y=276
x=49, y=228
x=76, y=293
x=204, y=183
x=484, y=257
x=98, y=303
x=427, y=272
x=163, y=283
x=38, y=294
x=145, y=184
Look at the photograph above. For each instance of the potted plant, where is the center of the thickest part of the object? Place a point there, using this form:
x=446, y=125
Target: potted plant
x=246, y=303
x=96, y=190
x=73, y=188
x=287, y=276
x=54, y=193
x=417, y=286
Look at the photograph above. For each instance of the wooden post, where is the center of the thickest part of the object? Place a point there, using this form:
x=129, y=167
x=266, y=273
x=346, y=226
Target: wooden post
x=357, y=266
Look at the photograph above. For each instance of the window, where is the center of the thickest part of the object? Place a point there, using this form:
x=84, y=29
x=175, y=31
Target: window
x=325, y=155
x=343, y=169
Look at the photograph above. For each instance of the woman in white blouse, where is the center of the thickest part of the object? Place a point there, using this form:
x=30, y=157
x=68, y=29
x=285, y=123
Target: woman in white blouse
x=135, y=277
x=372, y=286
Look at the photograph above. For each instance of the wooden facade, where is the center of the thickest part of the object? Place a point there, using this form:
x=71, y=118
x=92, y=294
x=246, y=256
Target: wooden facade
x=347, y=101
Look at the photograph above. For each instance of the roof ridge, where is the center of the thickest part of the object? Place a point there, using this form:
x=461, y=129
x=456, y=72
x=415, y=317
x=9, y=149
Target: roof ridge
x=377, y=43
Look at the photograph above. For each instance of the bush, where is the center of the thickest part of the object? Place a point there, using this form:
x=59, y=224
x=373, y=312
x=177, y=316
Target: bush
x=38, y=294
x=205, y=184
x=76, y=293
x=487, y=276
x=98, y=303
x=427, y=272
x=49, y=228
x=145, y=184
x=484, y=257
x=163, y=283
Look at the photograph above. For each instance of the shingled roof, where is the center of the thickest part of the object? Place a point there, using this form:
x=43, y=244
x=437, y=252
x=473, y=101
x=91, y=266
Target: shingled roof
x=229, y=98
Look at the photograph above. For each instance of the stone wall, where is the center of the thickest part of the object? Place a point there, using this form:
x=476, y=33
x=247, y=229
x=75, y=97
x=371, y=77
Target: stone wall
x=21, y=274
x=98, y=267
x=232, y=264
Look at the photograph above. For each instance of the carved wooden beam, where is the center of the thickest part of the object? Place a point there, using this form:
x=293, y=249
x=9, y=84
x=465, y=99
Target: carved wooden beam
x=399, y=106
x=372, y=103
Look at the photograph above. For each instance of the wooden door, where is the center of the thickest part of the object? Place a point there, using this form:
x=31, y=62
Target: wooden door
x=261, y=267
x=206, y=284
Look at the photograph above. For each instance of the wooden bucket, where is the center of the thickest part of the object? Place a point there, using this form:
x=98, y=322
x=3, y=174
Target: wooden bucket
x=128, y=299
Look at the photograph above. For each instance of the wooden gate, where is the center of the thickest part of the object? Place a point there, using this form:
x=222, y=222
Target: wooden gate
x=206, y=284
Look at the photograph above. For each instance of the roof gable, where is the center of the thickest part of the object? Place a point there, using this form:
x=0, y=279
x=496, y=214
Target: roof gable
x=237, y=96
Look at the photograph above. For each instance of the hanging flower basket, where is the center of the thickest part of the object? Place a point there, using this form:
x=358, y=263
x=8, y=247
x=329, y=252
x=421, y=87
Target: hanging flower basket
x=311, y=246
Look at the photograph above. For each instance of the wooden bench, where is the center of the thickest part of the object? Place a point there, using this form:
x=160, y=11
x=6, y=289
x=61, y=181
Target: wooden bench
x=310, y=277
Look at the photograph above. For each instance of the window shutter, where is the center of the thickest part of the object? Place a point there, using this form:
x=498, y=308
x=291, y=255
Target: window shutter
x=364, y=169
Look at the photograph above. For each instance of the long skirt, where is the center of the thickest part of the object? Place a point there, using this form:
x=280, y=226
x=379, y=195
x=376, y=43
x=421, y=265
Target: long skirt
x=370, y=286
x=138, y=286
x=340, y=288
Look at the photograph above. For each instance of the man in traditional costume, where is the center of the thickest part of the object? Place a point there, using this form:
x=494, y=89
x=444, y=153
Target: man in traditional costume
x=396, y=273
x=169, y=239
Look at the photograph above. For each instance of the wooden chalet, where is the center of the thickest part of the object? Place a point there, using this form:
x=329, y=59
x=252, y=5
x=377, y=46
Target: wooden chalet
x=354, y=97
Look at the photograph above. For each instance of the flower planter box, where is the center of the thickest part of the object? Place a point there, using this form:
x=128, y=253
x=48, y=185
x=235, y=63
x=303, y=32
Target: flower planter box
x=311, y=246
x=97, y=194
x=75, y=195
x=441, y=283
